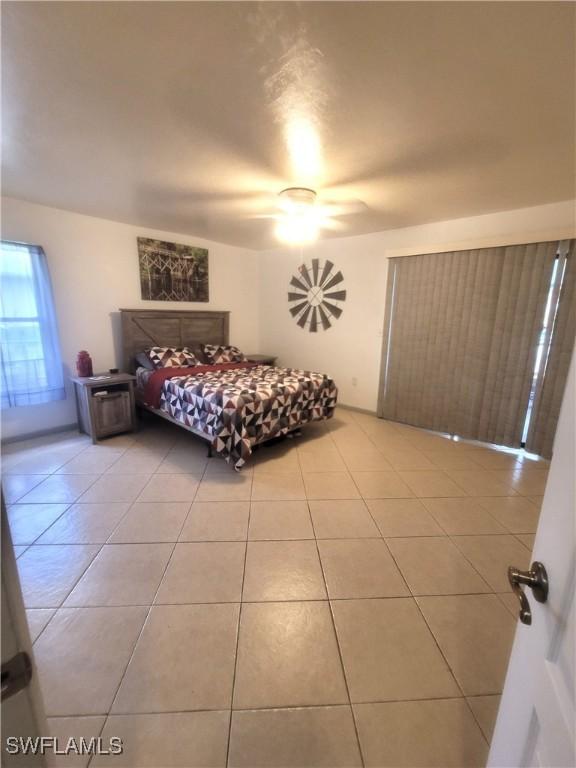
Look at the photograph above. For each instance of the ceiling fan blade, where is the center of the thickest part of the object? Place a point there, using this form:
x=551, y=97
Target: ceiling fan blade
x=333, y=225
x=343, y=207
x=231, y=203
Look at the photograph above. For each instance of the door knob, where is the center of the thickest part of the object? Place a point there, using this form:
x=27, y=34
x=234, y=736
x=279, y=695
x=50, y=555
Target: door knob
x=537, y=579
x=16, y=674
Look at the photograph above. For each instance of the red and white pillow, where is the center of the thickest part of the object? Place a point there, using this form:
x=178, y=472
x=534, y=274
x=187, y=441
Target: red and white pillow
x=171, y=357
x=219, y=353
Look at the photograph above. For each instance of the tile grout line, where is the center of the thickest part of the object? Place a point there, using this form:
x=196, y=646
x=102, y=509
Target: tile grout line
x=238, y=627
x=45, y=474
x=150, y=606
x=391, y=553
x=76, y=582
x=299, y=538
x=72, y=588
x=494, y=590
x=95, y=475
x=507, y=531
x=449, y=666
x=352, y=478
x=267, y=602
x=430, y=631
x=124, y=516
x=33, y=543
x=442, y=594
x=100, y=732
x=81, y=575
x=334, y=630
x=107, y=716
x=38, y=636
x=273, y=708
x=204, y=473
x=518, y=466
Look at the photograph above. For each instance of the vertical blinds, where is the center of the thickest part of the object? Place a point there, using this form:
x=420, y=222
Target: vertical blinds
x=462, y=337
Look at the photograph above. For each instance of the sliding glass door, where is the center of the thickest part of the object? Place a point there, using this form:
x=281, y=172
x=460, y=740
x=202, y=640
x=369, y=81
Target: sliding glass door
x=469, y=341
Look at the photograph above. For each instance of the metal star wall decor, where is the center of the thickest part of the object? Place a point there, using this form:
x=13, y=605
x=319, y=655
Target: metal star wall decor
x=315, y=296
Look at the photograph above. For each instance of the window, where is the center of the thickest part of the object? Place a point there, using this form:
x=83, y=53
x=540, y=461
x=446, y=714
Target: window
x=31, y=364
x=544, y=339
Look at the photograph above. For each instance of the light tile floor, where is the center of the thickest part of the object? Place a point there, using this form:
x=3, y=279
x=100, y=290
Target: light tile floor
x=341, y=602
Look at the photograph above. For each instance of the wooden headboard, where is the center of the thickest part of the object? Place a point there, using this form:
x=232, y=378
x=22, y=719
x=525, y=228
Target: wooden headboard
x=143, y=328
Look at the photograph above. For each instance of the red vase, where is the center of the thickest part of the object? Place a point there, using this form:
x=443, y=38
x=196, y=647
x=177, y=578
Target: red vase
x=84, y=364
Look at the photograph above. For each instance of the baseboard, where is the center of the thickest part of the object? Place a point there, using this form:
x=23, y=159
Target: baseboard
x=355, y=408
x=39, y=433
x=74, y=426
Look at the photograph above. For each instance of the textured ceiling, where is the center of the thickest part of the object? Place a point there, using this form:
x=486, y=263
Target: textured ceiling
x=191, y=116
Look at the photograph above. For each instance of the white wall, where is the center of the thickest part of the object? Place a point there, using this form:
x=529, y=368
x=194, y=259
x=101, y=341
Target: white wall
x=351, y=348
x=94, y=269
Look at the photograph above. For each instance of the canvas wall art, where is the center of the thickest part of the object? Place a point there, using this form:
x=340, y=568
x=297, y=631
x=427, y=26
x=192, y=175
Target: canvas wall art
x=172, y=272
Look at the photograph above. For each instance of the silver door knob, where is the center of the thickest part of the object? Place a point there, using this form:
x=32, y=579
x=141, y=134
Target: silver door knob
x=537, y=579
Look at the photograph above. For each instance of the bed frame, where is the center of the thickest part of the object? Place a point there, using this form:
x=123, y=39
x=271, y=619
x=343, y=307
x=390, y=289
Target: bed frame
x=143, y=328
x=170, y=328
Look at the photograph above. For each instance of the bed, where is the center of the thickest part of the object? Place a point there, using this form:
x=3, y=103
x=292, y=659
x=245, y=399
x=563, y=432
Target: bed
x=233, y=406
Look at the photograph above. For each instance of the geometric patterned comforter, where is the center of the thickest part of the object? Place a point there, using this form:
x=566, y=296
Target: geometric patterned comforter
x=240, y=407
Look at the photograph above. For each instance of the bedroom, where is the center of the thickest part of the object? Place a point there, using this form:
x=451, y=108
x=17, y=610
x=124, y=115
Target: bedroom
x=346, y=588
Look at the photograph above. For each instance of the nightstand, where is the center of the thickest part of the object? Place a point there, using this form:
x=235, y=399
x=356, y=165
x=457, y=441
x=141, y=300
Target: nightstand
x=105, y=404
x=262, y=359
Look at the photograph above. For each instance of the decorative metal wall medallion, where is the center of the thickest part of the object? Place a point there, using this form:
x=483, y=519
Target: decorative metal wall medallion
x=315, y=295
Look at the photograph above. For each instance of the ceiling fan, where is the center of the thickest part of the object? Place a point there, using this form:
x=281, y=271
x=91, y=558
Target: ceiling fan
x=301, y=214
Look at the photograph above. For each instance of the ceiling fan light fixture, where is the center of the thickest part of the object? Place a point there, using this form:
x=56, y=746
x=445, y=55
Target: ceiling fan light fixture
x=297, y=229
x=297, y=199
x=299, y=222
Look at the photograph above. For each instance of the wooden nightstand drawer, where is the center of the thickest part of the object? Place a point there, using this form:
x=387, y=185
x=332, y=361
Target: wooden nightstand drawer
x=105, y=405
x=112, y=412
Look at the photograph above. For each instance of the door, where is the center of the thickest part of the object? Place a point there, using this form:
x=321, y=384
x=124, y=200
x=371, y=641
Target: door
x=535, y=725
x=22, y=712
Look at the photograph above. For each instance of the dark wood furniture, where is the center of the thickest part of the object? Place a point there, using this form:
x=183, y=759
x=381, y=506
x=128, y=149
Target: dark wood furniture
x=105, y=406
x=262, y=359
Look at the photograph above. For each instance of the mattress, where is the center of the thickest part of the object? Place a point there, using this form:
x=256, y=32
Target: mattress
x=240, y=407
